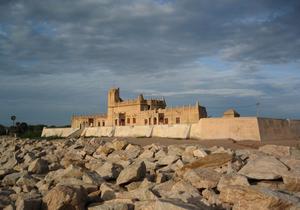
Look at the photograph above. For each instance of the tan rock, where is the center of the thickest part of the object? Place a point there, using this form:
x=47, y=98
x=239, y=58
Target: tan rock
x=211, y=197
x=134, y=172
x=291, y=180
x=66, y=197
x=139, y=193
x=165, y=204
x=119, y=144
x=109, y=171
x=38, y=166
x=232, y=179
x=251, y=197
x=275, y=150
x=29, y=202
x=167, y=160
x=202, y=177
x=213, y=160
x=264, y=167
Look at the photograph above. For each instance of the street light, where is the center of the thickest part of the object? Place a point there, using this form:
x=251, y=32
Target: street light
x=13, y=118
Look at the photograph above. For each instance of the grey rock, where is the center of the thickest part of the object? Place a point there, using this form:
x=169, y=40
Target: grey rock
x=134, y=172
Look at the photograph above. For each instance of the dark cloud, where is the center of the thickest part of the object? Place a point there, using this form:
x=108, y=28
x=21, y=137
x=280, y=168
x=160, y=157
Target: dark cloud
x=144, y=36
x=81, y=46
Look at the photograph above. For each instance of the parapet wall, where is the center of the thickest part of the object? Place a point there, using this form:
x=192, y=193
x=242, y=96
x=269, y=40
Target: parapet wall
x=133, y=131
x=59, y=132
x=179, y=131
x=98, y=131
x=242, y=128
x=278, y=129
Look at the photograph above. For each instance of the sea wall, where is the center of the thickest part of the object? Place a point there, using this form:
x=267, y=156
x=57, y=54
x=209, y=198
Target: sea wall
x=59, y=132
x=278, y=129
x=241, y=128
x=98, y=131
x=133, y=131
x=179, y=131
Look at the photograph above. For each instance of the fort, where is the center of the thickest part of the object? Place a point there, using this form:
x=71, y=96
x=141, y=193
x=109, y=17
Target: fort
x=142, y=117
x=140, y=111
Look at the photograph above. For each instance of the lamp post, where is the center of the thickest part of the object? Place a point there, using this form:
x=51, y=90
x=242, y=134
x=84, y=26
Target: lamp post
x=13, y=118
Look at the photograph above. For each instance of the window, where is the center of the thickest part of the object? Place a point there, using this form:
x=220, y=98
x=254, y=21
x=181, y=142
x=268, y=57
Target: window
x=128, y=120
x=103, y=123
x=98, y=124
x=166, y=121
x=149, y=121
x=133, y=120
x=146, y=121
x=116, y=122
x=177, y=120
x=154, y=120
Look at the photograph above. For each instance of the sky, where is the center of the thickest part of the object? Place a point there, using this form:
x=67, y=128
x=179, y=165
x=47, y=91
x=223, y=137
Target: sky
x=60, y=57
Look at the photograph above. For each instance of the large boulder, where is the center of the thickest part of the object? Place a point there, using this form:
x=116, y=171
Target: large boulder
x=264, y=167
x=291, y=180
x=11, y=179
x=165, y=204
x=38, y=166
x=202, y=177
x=232, y=179
x=109, y=170
x=252, y=197
x=133, y=172
x=275, y=150
x=66, y=197
x=29, y=201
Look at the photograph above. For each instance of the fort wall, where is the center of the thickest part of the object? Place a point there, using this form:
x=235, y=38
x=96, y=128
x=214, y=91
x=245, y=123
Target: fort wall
x=240, y=128
x=58, y=132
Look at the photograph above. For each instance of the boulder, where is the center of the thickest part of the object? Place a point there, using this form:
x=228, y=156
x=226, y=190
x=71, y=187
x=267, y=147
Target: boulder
x=275, y=150
x=119, y=144
x=38, y=166
x=11, y=179
x=202, y=177
x=252, y=197
x=211, y=197
x=209, y=161
x=29, y=201
x=182, y=190
x=66, y=197
x=109, y=170
x=167, y=160
x=165, y=204
x=147, y=154
x=141, y=194
x=92, y=177
x=291, y=180
x=109, y=206
x=108, y=191
x=132, y=151
x=200, y=153
x=103, y=149
x=232, y=179
x=264, y=167
x=134, y=172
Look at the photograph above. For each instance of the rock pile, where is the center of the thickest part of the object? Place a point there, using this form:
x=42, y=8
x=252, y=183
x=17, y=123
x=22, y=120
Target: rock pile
x=95, y=174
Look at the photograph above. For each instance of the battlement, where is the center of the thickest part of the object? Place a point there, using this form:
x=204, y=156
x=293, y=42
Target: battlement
x=140, y=111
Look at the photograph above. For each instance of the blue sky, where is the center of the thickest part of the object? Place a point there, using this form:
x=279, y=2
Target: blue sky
x=59, y=58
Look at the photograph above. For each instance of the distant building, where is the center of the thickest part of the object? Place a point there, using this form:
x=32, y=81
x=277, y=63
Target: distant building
x=139, y=111
x=231, y=113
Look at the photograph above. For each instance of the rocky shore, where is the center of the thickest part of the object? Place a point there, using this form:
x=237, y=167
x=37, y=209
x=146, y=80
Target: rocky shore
x=93, y=174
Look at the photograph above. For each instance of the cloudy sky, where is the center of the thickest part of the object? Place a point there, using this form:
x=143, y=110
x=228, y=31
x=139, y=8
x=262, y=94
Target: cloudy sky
x=59, y=57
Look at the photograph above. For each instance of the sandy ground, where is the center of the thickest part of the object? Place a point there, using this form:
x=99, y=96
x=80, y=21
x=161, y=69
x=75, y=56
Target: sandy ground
x=210, y=143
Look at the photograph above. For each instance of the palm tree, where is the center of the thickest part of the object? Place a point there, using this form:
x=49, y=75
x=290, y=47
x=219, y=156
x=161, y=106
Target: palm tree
x=13, y=118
